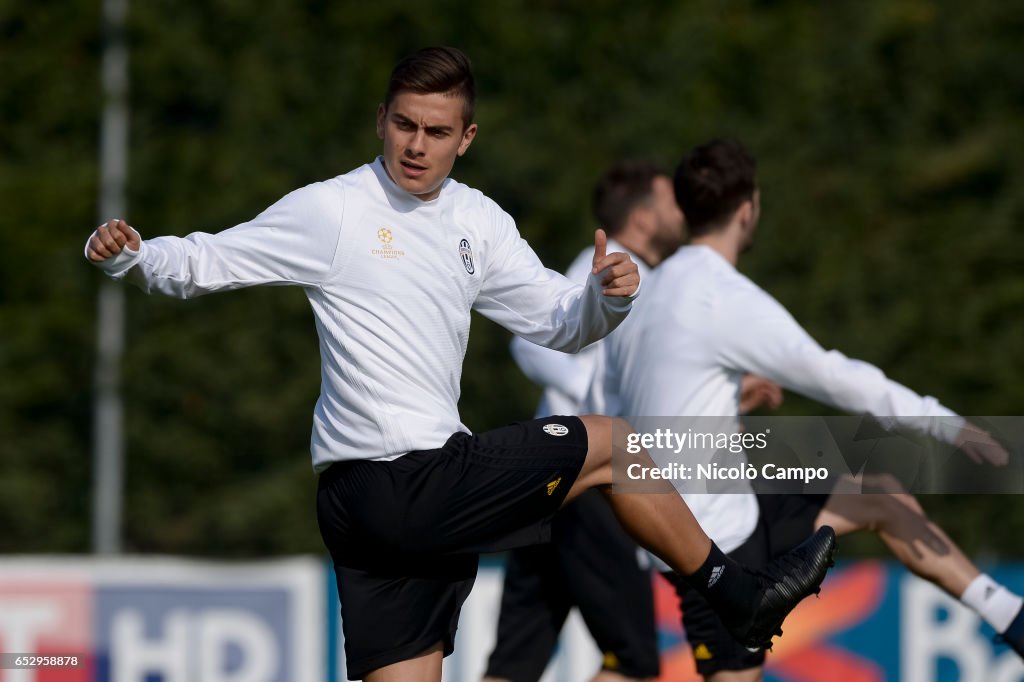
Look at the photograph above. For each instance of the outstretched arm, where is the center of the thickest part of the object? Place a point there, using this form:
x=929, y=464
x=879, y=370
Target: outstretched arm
x=292, y=242
x=758, y=335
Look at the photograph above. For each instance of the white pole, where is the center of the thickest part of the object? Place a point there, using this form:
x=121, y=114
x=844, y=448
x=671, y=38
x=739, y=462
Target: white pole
x=108, y=430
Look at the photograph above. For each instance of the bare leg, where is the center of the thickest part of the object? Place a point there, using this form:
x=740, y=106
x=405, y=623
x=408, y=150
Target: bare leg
x=660, y=522
x=609, y=676
x=901, y=523
x=751, y=606
x=425, y=667
x=601, y=676
x=748, y=675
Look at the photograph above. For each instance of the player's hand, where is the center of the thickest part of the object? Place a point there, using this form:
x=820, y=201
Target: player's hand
x=756, y=391
x=621, y=276
x=980, y=446
x=109, y=238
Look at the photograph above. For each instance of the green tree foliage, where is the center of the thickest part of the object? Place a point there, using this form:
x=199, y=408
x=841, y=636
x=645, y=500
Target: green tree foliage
x=889, y=135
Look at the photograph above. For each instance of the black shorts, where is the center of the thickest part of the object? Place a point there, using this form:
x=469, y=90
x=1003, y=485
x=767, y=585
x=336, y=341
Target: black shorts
x=784, y=522
x=592, y=564
x=405, y=535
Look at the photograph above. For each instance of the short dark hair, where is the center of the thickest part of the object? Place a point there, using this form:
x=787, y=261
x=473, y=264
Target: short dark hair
x=712, y=181
x=436, y=69
x=625, y=185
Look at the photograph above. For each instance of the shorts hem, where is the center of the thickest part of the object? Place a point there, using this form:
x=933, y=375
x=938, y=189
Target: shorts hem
x=726, y=666
x=628, y=671
x=358, y=669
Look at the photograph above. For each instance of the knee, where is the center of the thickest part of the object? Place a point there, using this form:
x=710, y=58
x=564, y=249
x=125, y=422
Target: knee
x=607, y=432
x=605, y=435
x=603, y=423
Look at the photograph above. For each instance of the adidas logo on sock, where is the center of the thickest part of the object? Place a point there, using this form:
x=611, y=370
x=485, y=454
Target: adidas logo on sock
x=989, y=591
x=716, y=573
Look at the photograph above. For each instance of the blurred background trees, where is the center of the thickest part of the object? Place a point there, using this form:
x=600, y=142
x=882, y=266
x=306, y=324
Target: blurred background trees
x=889, y=133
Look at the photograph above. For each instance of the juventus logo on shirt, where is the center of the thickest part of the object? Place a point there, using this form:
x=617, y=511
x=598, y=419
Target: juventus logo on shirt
x=466, y=253
x=555, y=429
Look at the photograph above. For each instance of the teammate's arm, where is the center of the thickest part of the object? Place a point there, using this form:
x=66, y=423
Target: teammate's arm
x=754, y=333
x=551, y=368
x=569, y=373
x=757, y=392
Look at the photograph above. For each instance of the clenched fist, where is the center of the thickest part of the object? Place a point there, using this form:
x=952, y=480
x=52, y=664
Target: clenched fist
x=109, y=238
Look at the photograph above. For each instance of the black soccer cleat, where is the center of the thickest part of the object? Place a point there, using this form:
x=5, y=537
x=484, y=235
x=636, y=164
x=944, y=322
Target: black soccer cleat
x=1014, y=635
x=783, y=583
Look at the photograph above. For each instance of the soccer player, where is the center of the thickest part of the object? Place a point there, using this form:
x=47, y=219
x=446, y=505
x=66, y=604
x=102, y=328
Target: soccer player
x=702, y=327
x=591, y=562
x=393, y=256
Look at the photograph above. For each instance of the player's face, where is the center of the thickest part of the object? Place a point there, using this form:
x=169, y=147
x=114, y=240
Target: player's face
x=423, y=135
x=669, y=232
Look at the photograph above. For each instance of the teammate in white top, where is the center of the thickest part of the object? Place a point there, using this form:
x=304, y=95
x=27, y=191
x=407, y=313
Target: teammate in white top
x=643, y=222
x=704, y=325
x=393, y=256
x=591, y=564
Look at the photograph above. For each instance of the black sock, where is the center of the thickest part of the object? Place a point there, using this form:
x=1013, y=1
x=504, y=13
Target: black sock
x=730, y=589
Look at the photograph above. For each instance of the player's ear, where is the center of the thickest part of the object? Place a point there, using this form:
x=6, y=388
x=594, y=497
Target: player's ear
x=745, y=213
x=467, y=138
x=382, y=112
x=646, y=219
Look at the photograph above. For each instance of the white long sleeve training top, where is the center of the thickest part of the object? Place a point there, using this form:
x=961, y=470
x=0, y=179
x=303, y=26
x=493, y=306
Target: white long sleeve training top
x=391, y=280
x=568, y=378
x=702, y=326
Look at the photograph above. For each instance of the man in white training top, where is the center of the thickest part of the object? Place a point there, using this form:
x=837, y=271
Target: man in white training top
x=702, y=327
x=393, y=256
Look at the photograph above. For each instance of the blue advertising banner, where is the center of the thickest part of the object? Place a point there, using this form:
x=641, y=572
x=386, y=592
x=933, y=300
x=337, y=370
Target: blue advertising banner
x=163, y=620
